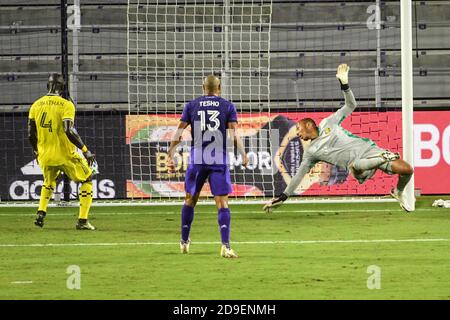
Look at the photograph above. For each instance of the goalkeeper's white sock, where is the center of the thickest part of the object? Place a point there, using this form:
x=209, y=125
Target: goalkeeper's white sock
x=403, y=180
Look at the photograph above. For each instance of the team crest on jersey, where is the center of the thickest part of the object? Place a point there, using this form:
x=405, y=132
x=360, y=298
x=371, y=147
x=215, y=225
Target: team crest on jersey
x=327, y=130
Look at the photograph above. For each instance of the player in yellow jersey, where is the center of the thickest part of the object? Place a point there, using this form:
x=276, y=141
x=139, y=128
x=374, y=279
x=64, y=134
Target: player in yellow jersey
x=54, y=138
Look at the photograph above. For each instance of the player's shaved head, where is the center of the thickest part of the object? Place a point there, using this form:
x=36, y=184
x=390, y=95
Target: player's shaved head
x=307, y=129
x=308, y=122
x=211, y=84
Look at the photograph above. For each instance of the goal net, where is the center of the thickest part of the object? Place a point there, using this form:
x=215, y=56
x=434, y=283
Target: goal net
x=277, y=63
x=134, y=64
x=172, y=46
x=307, y=46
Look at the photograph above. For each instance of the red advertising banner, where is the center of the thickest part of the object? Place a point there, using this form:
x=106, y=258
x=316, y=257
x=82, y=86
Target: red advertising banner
x=383, y=128
x=150, y=135
x=432, y=151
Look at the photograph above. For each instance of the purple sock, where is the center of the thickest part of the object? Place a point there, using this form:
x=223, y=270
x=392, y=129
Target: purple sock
x=224, y=224
x=187, y=215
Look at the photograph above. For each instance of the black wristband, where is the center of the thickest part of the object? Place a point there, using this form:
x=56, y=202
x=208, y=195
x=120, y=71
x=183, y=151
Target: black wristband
x=344, y=87
x=283, y=197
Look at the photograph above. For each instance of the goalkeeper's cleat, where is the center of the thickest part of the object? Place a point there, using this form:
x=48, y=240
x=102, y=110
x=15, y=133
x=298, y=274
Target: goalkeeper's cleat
x=227, y=252
x=40, y=219
x=83, y=224
x=401, y=200
x=275, y=203
x=390, y=156
x=184, y=246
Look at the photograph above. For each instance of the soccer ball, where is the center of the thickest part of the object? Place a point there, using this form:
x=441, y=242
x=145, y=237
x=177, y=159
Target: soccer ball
x=441, y=203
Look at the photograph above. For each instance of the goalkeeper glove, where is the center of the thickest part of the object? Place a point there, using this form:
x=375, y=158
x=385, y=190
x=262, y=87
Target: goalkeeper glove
x=342, y=75
x=275, y=203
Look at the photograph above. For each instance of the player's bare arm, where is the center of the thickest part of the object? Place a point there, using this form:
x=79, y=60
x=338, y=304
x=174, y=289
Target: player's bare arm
x=234, y=135
x=176, y=139
x=32, y=135
x=75, y=138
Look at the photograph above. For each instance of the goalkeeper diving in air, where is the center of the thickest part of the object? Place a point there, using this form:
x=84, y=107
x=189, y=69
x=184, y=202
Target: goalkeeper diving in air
x=332, y=144
x=53, y=137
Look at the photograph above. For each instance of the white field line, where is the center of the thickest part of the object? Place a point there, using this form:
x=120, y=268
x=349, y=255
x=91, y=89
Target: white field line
x=202, y=212
x=21, y=282
x=74, y=203
x=113, y=244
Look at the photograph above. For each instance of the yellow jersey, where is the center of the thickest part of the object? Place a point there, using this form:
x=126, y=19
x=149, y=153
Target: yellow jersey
x=54, y=148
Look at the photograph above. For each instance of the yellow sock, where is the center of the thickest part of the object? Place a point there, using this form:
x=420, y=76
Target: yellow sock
x=85, y=199
x=46, y=194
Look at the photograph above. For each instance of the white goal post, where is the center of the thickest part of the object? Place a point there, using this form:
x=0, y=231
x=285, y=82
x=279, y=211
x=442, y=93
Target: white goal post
x=407, y=94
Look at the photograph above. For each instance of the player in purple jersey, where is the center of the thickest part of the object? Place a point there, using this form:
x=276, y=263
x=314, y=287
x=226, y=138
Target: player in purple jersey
x=212, y=120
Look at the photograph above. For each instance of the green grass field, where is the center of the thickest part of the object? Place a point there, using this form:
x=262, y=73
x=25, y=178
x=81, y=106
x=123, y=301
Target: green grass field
x=294, y=253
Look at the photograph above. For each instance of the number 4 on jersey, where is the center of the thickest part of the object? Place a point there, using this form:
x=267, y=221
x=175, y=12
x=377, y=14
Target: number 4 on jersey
x=47, y=125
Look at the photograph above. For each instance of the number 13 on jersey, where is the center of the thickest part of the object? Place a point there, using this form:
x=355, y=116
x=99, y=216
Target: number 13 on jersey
x=212, y=117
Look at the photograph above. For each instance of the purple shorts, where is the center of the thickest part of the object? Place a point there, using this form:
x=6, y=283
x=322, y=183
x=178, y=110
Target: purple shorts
x=218, y=177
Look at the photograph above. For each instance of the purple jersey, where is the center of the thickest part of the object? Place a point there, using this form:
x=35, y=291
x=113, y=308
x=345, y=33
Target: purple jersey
x=208, y=117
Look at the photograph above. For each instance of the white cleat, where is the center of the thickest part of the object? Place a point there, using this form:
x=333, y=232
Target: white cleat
x=184, y=246
x=227, y=252
x=399, y=197
x=390, y=156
